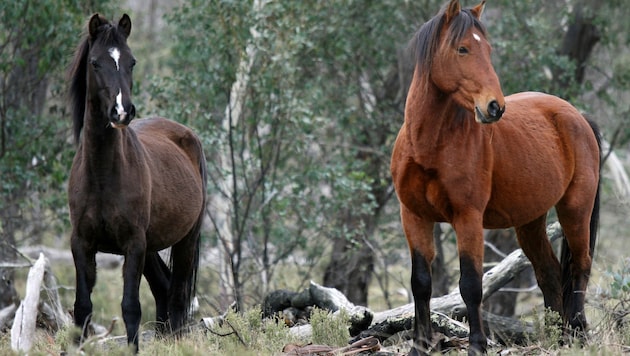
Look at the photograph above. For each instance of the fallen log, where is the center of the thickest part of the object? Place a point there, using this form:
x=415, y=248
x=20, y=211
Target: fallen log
x=56, y=256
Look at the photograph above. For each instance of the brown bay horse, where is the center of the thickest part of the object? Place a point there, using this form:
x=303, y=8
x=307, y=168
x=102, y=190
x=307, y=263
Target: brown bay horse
x=454, y=161
x=135, y=188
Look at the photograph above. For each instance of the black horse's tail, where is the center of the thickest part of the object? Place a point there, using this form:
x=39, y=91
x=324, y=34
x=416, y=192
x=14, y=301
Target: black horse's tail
x=195, y=232
x=565, y=255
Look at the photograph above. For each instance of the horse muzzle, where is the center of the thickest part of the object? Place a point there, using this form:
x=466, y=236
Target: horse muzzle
x=492, y=113
x=120, y=117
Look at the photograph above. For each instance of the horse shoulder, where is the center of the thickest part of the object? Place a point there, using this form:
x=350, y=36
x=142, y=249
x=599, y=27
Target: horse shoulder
x=417, y=186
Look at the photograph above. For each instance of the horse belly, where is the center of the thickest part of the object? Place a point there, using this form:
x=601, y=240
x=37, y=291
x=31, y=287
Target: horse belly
x=523, y=194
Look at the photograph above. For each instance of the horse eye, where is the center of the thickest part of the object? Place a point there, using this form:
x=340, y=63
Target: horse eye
x=133, y=63
x=462, y=50
x=94, y=63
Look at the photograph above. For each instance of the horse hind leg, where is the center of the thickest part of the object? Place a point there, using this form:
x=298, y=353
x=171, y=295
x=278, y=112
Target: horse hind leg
x=158, y=276
x=576, y=264
x=532, y=238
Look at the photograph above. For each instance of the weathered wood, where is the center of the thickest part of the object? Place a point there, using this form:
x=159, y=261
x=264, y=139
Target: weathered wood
x=23, y=329
x=55, y=256
x=32, y=311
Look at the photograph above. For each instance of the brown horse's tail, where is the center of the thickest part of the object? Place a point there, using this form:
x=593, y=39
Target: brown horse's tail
x=565, y=255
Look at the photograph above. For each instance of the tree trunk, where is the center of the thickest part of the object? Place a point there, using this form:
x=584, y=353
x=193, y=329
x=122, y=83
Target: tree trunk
x=350, y=270
x=581, y=37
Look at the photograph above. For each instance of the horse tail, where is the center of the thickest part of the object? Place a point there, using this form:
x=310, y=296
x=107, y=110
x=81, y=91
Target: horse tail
x=195, y=232
x=565, y=254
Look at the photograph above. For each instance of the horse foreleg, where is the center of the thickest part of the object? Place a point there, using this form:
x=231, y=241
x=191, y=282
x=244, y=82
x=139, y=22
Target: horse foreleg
x=132, y=272
x=158, y=276
x=419, y=235
x=85, y=271
x=469, y=231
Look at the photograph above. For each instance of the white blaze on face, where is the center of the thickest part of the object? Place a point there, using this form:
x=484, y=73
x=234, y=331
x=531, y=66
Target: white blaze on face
x=115, y=54
x=476, y=37
x=119, y=106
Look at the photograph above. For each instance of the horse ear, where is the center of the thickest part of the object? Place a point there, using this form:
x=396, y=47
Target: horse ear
x=125, y=25
x=453, y=9
x=478, y=10
x=95, y=22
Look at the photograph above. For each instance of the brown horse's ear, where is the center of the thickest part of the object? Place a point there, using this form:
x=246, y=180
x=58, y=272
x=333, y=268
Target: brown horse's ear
x=478, y=10
x=95, y=22
x=452, y=10
x=125, y=25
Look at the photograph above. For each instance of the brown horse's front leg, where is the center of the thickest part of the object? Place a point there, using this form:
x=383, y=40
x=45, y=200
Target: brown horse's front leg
x=420, y=239
x=132, y=272
x=470, y=248
x=421, y=288
x=84, y=255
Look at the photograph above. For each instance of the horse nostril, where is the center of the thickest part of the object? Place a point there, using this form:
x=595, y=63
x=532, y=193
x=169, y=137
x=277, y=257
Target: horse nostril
x=113, y=114
x=494, y=110
x=132, y=112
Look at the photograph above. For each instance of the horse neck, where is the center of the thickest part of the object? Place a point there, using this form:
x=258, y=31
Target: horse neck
x=103, y=147
x=433, y=117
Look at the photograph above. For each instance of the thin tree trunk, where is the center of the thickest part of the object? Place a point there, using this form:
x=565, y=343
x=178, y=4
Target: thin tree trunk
x=225, y=204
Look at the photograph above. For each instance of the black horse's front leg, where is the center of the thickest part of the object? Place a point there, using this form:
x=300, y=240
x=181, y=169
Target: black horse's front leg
x=84, y=256
x=132, y=273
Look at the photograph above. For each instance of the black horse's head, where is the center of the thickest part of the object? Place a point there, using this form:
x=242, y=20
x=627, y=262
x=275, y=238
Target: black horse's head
x=109, y=69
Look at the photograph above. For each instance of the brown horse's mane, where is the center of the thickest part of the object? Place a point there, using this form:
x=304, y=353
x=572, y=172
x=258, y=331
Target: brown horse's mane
x=108, y=35
x=427, y=39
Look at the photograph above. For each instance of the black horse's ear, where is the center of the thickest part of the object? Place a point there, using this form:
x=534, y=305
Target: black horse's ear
x=452, y=10
x=125, y=25
x=95, y=22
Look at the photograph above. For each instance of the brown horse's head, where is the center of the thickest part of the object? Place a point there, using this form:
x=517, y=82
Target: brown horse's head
x=109, y=69
x=454, y=55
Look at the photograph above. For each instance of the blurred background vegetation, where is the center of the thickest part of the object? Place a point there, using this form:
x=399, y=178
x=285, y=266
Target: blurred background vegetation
x=298, y=104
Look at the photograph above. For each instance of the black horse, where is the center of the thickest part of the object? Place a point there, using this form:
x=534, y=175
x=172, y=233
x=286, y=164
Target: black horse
x=135, y=187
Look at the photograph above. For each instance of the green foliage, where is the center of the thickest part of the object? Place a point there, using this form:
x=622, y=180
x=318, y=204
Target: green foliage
x=526, y=55
x=35, y=43
x=330, y=329
x=620, y=281
x=616, y=297
x=248, y=332
x=548, y=328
